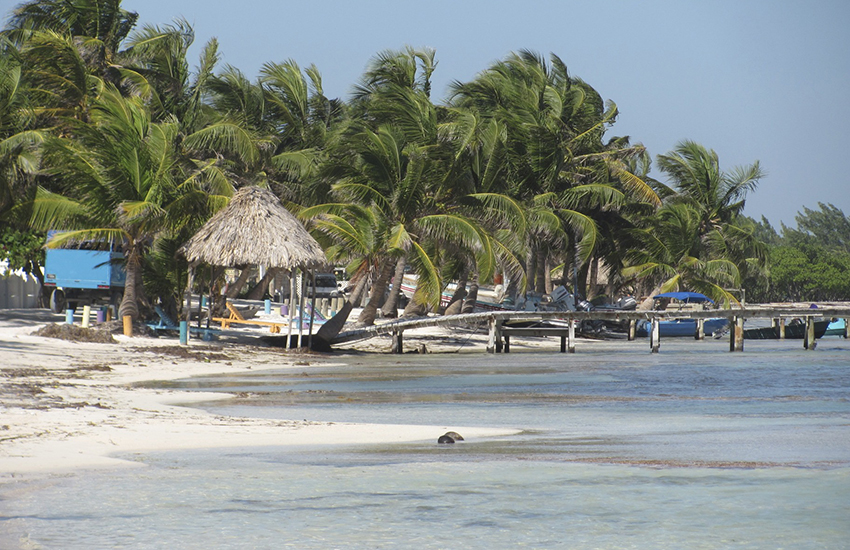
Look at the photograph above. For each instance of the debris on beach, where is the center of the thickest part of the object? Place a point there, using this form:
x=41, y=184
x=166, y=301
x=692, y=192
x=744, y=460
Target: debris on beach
x=75, y=333
x=202, y=354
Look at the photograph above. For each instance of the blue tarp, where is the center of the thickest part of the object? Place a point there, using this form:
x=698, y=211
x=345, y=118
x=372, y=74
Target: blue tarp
x=687, y=297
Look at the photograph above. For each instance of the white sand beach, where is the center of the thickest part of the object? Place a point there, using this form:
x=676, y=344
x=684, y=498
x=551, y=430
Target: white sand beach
x=67, y=406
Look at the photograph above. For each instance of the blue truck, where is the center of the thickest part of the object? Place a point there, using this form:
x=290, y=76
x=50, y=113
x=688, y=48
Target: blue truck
x=89, y=273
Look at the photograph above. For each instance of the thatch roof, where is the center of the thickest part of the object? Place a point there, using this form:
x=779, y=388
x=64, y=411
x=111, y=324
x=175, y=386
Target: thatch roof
x=254, y=229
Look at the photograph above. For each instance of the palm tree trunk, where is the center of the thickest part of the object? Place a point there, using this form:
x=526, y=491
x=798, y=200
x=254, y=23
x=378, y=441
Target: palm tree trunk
x=390, y=308
x=260, y=288
x=417, y=306
x=594, y=277
x=540, y=278
x=133, y=266
x=367, y=316
x=582, y=280
x=328, y=331
x=456, y=303
x=648, y=302
x=531, y=268
x=234, y=289
x=472, y=297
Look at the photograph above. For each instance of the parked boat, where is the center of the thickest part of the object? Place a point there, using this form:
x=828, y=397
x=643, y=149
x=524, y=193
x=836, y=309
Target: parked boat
x=488, y=298
x=682, y=327
x=683, y=301
x=836, y=328
x=795, y=329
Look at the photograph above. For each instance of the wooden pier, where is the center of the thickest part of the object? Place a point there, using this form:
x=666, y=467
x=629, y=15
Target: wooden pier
x=499, y=334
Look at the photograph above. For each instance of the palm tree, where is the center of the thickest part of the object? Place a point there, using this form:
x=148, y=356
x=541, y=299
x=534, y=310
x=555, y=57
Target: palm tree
x=155, y=67
x=675, y=254
x=60, y=84
x=99, y=25
x=119, y=181
x=389, y=161
x=718, y=198
x=19, y=137
x=350, y=234
x=697, y=179
x=553, y=129
x=389, y=175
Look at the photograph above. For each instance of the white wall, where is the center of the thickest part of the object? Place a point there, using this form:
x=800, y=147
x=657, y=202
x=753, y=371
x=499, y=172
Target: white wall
x=17, y=292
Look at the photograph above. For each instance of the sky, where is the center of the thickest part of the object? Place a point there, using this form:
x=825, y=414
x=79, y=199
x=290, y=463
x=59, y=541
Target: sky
x=765, y=80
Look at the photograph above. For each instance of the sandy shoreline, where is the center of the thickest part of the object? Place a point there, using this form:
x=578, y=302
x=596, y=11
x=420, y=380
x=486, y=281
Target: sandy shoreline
x=67, y=406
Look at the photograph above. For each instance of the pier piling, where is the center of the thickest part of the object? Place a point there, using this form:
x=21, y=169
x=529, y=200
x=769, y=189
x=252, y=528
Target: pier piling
x=398, y=341
x=493, y=335
x=736, y=334
x=654, y=336
x=809, y=341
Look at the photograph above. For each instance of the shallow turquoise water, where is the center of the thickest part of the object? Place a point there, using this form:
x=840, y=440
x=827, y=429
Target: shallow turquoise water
x=690, y=448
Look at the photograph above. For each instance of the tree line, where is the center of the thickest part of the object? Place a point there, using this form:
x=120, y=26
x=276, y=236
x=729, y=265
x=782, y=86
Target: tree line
x=106, y=133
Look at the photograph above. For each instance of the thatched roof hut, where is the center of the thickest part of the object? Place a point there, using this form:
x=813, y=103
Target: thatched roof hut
x=254, y=229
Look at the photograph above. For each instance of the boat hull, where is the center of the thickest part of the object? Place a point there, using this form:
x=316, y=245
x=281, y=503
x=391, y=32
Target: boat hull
x=792, y=331
x=682, y=327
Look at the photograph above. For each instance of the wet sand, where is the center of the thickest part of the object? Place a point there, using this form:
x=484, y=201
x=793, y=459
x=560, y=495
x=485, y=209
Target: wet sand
x=68, y=405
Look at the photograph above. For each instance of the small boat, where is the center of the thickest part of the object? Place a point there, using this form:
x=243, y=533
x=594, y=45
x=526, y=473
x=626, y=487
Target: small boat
x=684, y=301
x=682, y=327
x=837, y=327
x=795, y=329
x=488, y=299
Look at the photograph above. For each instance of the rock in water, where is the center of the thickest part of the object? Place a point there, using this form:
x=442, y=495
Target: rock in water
x=454, y=435
x=445, y=439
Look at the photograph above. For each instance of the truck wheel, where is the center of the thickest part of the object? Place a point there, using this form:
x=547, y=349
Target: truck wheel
x=57, y=301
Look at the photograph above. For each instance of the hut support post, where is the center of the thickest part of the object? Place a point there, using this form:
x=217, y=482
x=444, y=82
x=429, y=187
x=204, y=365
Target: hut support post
x=632, y=329
x=398, y=341
x=782, y=328
x=312, y=308
x=654, y=336
x=809, y=341
x=210, y=298
x=571, y=337
x=846, y=328
x=187, y=294
x=736, y=334
x=187, y=307
x=700, y=334
x=301, y=303
x=506, y=347
x=291, y=311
